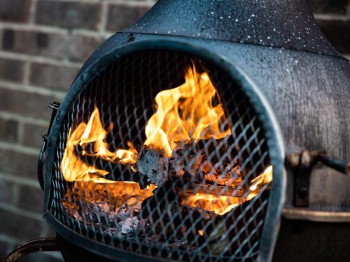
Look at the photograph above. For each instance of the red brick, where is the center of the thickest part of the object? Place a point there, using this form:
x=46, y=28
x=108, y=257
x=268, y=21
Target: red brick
x=121, y=16
x=26, y=104
x=7, y=191
x=14, y=10
x=18, y=164
x=31, y=135
x=81, y=46
x=8, y=130
x=34, y=42
x=11, y=70
x=52, y=76
x=68, y=14
x=31, y=198
x=19, y=226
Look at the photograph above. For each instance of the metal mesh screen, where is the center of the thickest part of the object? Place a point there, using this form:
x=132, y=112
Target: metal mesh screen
x=156, y=218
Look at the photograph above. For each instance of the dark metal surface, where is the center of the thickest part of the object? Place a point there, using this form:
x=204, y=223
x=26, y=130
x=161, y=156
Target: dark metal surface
x=302, y=164
x=283, y=64
x=309, y=94
x=155, y=70
x=37, y=245
x=249, y=89
x=41, y=162
x=304, y=241
x=277, y=23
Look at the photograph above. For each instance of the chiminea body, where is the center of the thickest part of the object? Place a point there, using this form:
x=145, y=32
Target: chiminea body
x=298, y=85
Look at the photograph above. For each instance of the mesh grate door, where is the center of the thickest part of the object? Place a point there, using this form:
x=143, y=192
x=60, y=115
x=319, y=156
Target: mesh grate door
x=162, y=206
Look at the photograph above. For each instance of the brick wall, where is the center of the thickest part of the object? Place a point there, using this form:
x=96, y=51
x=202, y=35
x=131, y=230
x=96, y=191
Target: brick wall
x=42, y=45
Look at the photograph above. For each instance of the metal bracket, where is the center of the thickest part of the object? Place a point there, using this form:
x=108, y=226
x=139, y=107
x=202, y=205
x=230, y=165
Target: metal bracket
x=302, y=164
x=54, y=106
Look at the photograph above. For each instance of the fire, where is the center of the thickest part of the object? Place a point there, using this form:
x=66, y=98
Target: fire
x=186, y=112
x=75, y=169
x=224, y=204
x=257, y=184
x=264, y=178
x=118, y=193
x=217, y=204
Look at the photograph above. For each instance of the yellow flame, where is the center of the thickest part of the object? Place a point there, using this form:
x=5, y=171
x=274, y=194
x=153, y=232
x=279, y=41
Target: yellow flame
x=265, y=178
x=186, y=112
x=218, y=204
x=118, y=194
x=189, y=112
x=224, y=204
x=75, y=169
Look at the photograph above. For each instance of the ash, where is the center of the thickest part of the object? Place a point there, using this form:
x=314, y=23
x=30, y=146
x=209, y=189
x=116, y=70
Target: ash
x=103, y=213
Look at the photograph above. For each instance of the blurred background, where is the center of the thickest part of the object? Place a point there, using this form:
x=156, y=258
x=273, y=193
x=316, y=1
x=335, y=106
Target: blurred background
x=43, y=43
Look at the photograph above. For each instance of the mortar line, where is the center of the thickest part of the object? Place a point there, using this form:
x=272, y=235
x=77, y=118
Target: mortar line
x=24, y=119
x=32, y=89
x=15, y=192
x=20, y=180
x=104, y=17
x=32, y=11
x=332, y=17
x=26, y=72
x=18, y=211
x=38, y=59
x=19, y=148
x=27, y=27
x=20, y=132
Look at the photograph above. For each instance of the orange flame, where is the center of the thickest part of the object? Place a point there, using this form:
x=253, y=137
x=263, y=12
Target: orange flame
x=217, y=204
x=224, y=204
x=189, y=112
x=186, y=112
x=118, y=193
x=74, y=169
x=256, y=185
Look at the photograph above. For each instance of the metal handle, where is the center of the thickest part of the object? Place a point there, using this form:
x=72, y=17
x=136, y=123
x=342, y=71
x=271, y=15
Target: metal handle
x=308, y=159
x=302, y=164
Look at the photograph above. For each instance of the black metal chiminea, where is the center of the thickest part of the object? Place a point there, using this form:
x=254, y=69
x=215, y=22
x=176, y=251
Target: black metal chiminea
x=284, y=91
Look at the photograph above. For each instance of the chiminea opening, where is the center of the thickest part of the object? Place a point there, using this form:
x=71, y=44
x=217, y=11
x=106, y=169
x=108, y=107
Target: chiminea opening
x=162, y=153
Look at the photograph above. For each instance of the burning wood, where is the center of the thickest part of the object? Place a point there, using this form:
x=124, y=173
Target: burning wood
x=154, y=165
x=179, y=186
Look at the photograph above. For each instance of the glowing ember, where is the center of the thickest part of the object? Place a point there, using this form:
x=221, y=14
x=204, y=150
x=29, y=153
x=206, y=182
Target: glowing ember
x=117, y=193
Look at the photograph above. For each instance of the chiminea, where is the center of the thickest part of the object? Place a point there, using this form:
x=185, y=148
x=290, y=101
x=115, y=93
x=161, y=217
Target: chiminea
x=171, y=142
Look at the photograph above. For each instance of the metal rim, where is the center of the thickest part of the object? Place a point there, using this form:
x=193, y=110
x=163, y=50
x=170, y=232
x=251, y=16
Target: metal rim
x=254, y=95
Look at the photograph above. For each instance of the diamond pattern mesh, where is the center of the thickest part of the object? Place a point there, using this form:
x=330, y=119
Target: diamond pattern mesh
x=163, y=225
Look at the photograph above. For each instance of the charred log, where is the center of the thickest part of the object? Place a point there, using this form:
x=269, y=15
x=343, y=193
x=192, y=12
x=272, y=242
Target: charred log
x=171, y=221
x=152, y=164
x=195, y=160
